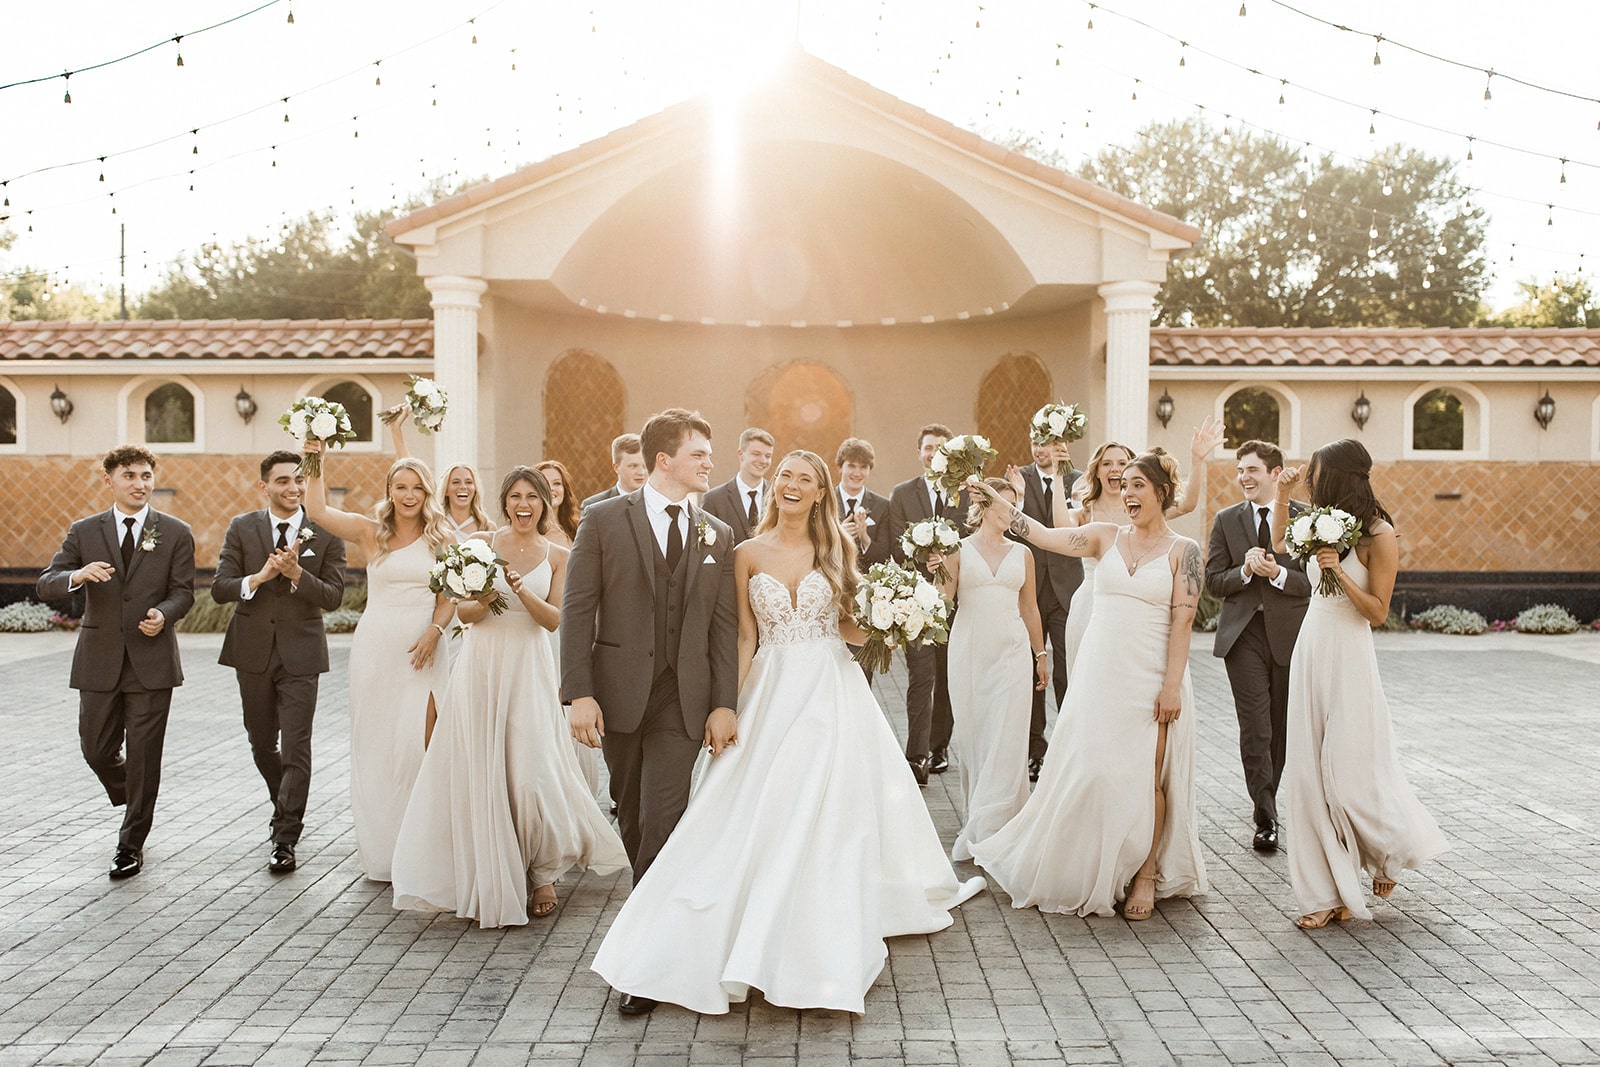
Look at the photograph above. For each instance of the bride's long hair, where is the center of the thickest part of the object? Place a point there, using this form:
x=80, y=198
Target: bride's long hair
x=834, y=554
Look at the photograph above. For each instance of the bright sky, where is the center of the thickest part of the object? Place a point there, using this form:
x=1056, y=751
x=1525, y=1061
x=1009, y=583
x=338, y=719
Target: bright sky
x=544, y=77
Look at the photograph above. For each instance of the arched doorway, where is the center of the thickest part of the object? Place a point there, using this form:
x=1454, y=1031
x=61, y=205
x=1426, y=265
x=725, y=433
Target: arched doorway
x=1015, y=388
x=584, y=402
x=803, y=405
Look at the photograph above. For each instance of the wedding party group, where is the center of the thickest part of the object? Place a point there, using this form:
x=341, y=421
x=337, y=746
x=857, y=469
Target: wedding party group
x=716, y=646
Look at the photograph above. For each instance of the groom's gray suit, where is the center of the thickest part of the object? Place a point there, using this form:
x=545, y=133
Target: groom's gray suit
x=123, y=678
x=657, y=649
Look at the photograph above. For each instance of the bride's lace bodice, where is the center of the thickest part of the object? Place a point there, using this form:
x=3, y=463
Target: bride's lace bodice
x=813, y=614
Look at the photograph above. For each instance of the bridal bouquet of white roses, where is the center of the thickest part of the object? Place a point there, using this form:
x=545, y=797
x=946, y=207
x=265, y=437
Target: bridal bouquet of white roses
x=924, y=538
x=426, y=402
x=898, y=608
x=1058, y=422
x=957, y=460
x=1318, y=528
x=467, y=570
x=312, y=418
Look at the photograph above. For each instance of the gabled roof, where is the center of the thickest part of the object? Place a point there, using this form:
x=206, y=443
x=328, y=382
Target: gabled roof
x=218, y=339
x=1238, y=346
x=802, y=66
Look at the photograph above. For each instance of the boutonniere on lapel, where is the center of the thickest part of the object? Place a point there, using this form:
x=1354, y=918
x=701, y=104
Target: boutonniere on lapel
x=306, y=534
x=150, y=538
x=705, y=534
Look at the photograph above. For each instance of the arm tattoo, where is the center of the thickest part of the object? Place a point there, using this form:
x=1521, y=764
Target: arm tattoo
x=1019, y=524
x=1077, y=540
x=1193, y=577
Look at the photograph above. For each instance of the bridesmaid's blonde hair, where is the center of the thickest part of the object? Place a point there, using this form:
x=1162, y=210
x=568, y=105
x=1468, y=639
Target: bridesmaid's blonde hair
x=475, y=505
x=435, y=523
x=1091, y=475
x=834, y=554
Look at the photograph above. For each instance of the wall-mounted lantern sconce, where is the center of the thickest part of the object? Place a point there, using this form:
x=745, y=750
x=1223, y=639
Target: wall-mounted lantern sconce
x=1361, y=411
x=245, y=405
x=1164, y=408
x=1545, y=410
x=61, y=404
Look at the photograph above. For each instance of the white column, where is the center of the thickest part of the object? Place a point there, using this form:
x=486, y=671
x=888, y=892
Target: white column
x=455, y=364
x=1128, y=308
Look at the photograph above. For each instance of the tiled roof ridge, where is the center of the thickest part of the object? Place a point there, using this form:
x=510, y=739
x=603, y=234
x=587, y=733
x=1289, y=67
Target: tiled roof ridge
x=1376, y=331
x=1374, y=346
x=213, y=339
x=87, y=325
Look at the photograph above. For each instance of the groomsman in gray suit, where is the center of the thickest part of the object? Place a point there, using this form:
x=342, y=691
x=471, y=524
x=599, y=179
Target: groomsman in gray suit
x=628, y=462
x=284, y=571
x=1056, y=578
x=1264, y=600
x=929, y=721
x=649, y=638
x=866, y=514
x=740, y=500
x=136, y=568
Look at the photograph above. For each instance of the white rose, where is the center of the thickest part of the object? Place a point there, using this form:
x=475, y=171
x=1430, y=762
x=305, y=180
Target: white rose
x=922, y=535
x=939, y=463
x=948, y=538
x=1302, y=528
x=901, y=609
x=882, y=615
x=475, y=576
x=863, y=600
x=478, y=549
x=324, y=425
x=914, y=624
x=708, y=534
x=299, y=424
x=425, y=387
x=437, y=570
x=1058, y=422
x=344, y=422
x=882, y=593
x=981, y=442
x=926, y=596
x=1329, y=529
x=455, y=584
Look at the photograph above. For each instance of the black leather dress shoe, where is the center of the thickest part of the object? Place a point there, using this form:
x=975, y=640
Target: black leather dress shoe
x=940, y=761
x=1266, y=839
x=282, y=861
x=127, y=863
x=1035, y=765
x=632, y=1005
x=919, y=768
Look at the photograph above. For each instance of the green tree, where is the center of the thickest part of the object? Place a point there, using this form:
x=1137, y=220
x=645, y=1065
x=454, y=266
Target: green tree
x=1566, y=301
x=1290, y=239
x=27, y=294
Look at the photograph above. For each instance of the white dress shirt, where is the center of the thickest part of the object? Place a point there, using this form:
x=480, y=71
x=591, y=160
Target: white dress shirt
x=760, y=490
x=655, y=509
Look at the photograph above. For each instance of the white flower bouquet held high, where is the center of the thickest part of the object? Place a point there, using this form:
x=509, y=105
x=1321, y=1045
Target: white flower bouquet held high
x=312, y=418
x=1318, y=528
x=957, y=460
x=426, y=402
x=467, y=571
x=898, y=608
x=923, y=539
x=1058, y=422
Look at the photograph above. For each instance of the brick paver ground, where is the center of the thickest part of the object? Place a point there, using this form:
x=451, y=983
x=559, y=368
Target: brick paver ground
x=1488, y=956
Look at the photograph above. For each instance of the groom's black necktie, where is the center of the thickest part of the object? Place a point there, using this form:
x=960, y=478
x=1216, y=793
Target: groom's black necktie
x=850, y=508
x=127, y=545
x=1264, y=530
x=674, y=538
x=283, y=537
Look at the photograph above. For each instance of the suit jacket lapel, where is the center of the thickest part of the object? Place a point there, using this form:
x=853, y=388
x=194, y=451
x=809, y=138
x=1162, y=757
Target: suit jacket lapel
x=644, y=538
x=691, y=549
x=108, y=527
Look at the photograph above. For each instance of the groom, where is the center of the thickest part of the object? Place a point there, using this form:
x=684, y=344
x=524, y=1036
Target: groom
x=284, y=572
x=649, y=637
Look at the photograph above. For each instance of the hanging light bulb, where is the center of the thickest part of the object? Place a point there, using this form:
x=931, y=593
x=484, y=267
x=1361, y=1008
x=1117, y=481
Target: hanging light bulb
x=1136, y=90
x=1487, y=95
x=378, y=78
x=1388, y=187
x=1282, y=84
x=1469, y=148
x=1301, y=213
x=1183, y=50
x=1550, y=216
x=196, y=150
x=1372, y=124
x=102, y=170
x=286, y=109
x=1241, y=11
x=1377, y=60
x=1091, y=16
x=1563, y=172
x=291, y=16
x=179, y=42
x=1372, y=227
x=67, y=96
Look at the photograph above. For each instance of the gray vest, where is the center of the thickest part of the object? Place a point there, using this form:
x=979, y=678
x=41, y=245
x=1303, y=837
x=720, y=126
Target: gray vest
x=671, y=596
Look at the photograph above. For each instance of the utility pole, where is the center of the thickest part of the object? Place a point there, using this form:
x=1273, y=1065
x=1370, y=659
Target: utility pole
x=122, y=269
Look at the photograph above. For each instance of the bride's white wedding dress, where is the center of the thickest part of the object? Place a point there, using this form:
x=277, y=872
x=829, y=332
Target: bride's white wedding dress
x=805, y=845
x=1350, y=808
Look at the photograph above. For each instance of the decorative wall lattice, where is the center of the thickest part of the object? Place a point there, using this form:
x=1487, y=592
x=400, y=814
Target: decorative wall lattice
x=584, y=408
x=1015, y=387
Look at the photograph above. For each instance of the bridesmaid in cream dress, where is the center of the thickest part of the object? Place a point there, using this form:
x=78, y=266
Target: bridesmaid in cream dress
x=565, y=514
x=397, y=669
x=1112, y=817
x=1351, y=811
x=996, y=630
x=499, y=803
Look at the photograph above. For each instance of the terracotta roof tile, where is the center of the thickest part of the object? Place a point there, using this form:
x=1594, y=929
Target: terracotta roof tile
x=1373, y=347
x=218, y=339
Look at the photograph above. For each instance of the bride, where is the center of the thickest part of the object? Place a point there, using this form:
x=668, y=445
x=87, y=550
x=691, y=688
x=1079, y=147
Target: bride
x=808, y=843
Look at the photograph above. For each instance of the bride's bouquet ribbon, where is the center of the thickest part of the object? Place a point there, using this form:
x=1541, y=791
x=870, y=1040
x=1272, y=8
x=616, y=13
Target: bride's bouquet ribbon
x=311, y=418
x=898, y=608
x=957, y=460
x=923, y=539
x=425, y=401
x=1318, y=528
x=467, y=571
